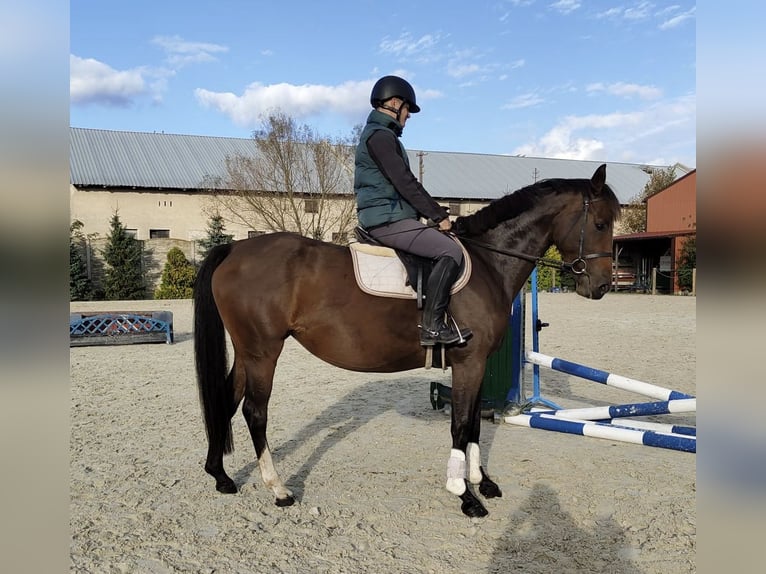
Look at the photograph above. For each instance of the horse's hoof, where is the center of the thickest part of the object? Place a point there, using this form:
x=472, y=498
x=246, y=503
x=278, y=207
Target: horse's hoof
x=288, y=501
x=471, y=506
x=226, y=486
x=489, y=489
x=474, y=509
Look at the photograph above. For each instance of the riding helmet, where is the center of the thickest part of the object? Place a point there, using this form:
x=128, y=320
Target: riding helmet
x=390, y=87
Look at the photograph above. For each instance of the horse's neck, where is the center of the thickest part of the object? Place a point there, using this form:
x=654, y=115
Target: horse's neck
x=527, y=235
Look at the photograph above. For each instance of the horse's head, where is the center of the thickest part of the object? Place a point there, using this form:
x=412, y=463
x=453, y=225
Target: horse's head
x=583, y=235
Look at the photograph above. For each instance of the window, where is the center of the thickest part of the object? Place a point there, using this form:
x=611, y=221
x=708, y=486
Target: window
x=159, y=234
x=454, y=208
x=311, y=206
x=131, y=233
x=165, y=203
x=253, y=233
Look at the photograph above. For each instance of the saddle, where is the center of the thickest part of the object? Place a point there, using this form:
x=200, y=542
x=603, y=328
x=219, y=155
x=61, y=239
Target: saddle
x=387, y=272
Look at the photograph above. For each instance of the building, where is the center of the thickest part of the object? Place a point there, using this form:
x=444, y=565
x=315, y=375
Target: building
x=162, y=185
x=671, y=220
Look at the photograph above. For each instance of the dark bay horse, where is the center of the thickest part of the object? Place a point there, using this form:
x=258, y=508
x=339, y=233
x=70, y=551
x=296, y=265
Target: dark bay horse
x=265, y=289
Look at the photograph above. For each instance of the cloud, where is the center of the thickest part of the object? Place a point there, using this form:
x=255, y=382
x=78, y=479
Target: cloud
x=523, y=101
x=349, y=99
x=566, y=6
x=632, y=136
x=405, y=46
x=91, y=81
x=627, y=90
x=640, y=12
x=181, y=52
x=675, y=21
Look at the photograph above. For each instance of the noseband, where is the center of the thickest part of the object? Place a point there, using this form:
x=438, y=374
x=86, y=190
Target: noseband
x=580, y=265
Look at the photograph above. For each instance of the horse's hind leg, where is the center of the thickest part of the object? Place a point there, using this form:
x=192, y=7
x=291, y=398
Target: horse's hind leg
x=217, y=446
x=260, y=375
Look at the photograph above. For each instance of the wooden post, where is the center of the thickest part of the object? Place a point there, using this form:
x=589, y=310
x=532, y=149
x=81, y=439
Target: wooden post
x=654, y=280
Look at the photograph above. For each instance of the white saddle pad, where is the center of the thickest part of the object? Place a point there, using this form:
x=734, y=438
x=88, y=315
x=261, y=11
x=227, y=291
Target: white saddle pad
x=379, y=271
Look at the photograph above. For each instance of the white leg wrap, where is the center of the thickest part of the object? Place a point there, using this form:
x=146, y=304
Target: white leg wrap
x=456, y=472
x=474, y=462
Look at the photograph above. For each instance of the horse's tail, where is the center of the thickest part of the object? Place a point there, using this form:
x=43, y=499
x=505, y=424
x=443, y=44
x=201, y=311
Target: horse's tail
x=216, y=392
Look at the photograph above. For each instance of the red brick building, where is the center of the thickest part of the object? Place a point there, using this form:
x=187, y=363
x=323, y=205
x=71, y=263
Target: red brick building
x=671, y=219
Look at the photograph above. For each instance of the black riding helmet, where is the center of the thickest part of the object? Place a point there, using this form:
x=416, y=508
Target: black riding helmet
x=393, y=86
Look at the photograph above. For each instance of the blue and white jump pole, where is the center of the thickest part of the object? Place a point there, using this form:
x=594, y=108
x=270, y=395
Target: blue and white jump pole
x=602, y=422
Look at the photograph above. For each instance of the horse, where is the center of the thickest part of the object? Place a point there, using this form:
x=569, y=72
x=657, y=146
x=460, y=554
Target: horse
x=267, y=288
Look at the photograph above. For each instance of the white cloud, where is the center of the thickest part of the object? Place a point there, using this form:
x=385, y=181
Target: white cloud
x=405, y=46
x=640, y=12
x=181, y=52
x=350, y=99
x=91, y=81
x=675, y=21
x=631, y=136
x=566, y=6
x=523, y=101
x=627, y=90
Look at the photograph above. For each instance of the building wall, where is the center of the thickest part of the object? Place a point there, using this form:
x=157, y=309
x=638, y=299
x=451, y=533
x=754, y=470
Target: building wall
x=181, y=213
x=184, y=214
x=674, y=208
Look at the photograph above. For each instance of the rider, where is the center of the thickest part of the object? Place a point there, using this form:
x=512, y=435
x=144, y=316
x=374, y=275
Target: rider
x=390, y=201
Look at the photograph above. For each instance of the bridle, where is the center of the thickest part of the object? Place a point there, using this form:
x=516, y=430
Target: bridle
x=578, y=266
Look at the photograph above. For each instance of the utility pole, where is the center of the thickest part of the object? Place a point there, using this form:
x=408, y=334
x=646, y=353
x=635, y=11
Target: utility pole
x=536, y=173
x=421, y=167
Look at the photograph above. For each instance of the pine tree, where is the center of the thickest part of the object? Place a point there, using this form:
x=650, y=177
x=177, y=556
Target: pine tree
x=177, y=277
x=124, y=277
x=215, y=235
x=80, y=287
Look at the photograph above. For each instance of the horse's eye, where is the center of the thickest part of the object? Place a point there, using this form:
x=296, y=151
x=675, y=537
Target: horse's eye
x=601, y=226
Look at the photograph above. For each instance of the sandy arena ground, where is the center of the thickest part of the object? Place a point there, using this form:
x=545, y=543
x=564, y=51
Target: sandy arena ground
x=365, y=455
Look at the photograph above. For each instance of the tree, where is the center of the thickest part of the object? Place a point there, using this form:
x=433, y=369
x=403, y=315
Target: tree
x=124, y=277
x=215, y=235
x=687, y=263
x=548, y=277
x=177, y=277
x=80, y=287
x=297, y=181
x=634, y=215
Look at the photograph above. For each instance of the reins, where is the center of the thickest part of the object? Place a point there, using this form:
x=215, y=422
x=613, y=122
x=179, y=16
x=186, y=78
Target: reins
x=578, y=266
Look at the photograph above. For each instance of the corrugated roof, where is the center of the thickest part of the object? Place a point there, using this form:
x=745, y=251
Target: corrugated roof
x=172, y=161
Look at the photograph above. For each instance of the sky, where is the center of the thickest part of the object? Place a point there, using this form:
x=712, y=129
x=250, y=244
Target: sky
x=588, y=80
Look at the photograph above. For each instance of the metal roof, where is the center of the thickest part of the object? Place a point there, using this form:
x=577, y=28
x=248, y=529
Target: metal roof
x=172, y=161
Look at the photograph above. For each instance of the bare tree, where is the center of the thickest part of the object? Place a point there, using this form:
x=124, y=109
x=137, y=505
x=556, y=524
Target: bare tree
x=296, y=181
x=634, y=215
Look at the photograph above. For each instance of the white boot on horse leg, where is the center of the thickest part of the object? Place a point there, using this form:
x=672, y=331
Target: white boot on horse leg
x=456, y=472
x=473, y=454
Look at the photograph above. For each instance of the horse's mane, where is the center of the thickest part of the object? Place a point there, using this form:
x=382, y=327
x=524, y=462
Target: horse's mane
x=524, y=199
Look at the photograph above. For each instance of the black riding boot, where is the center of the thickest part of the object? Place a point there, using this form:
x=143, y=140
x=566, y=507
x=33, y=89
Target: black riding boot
x=434, y=328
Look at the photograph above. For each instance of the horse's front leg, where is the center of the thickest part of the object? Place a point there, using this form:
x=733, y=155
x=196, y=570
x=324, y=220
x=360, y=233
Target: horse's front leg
x=466, y=426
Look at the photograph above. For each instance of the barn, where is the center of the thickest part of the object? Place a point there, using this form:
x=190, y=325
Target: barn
x=671, y=221
x=161, y=185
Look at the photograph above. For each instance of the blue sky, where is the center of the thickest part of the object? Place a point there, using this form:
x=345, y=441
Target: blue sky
x=598, y=80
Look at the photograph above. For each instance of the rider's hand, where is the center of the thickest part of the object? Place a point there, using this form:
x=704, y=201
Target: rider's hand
x=445, y=224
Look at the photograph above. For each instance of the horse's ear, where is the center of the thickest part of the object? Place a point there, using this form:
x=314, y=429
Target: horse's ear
x=599, y=179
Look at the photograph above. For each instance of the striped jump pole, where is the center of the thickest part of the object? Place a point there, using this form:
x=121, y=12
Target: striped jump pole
x=605, y=378
x=605, y=431
x=629, y=410
x=646, y=425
